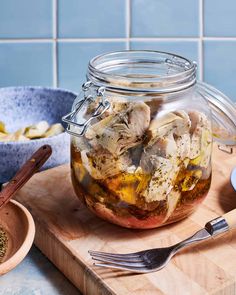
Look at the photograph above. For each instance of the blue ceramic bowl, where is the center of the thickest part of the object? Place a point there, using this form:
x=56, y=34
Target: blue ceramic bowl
x=23, y=106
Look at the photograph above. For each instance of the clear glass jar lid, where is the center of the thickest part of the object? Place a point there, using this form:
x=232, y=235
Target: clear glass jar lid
x=144, y=73
x=223, y=114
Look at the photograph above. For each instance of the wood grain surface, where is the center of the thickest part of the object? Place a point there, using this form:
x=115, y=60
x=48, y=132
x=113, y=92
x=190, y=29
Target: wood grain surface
x=65, y=231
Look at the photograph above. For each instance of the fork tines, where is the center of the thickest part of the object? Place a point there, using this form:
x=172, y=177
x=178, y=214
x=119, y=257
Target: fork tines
x=132, y=262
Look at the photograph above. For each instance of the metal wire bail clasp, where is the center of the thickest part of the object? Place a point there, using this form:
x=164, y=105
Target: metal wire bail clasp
x=71, y=118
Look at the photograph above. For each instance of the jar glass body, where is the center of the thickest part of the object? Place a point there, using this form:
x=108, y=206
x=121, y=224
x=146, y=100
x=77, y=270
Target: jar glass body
x=146, y=161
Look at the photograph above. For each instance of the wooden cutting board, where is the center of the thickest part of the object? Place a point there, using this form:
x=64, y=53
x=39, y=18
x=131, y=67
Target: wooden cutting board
x=65, y=231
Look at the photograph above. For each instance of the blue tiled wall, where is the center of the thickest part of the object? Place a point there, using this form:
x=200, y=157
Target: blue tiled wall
x=49, y=42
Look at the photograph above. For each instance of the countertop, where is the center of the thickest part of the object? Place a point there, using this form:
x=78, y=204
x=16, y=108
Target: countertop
x=36, y=275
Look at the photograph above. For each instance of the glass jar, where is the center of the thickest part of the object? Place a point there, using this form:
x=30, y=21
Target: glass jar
x=142, y=133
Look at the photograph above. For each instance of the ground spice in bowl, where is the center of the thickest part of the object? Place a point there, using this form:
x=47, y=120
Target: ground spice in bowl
x=3, y=243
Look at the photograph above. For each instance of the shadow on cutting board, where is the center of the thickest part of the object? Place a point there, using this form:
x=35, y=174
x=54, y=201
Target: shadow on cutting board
x=227, y=197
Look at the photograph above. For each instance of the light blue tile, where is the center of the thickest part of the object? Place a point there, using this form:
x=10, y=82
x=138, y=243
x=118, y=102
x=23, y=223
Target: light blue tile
x=91, y=18
x=165, y=18
x=220, y=18
x=188, y=49
x=25, y=19
x=74, y=57
x=26, y=64
x=220, y=65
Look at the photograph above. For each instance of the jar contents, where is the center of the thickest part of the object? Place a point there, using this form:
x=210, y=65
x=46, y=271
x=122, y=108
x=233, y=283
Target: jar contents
x=142, y=168
x=3, y=243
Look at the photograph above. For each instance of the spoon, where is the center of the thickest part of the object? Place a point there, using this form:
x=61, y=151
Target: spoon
x=233, y=178
x=25, y=173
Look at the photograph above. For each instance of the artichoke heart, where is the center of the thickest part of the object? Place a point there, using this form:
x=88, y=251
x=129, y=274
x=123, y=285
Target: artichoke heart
x=103, y=164
x=161, y=182
x=3, y=128
x=163, y=147
x=177, y=123
x=183, y=143
x=191, y=179
x=54, y=129
x=37, y=130
x=201, y=133
x=120, y=131
x=172, y=202
x=6, y=137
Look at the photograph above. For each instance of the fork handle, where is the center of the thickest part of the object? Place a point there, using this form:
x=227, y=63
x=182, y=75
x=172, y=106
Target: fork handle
x=230, y=217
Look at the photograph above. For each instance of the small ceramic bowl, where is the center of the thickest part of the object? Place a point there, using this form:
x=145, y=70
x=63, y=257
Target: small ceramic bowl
x=24, y=106
x=233, y=178
x=20, y=229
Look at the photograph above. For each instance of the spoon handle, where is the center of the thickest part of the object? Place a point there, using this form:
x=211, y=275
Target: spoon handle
x=25, y=173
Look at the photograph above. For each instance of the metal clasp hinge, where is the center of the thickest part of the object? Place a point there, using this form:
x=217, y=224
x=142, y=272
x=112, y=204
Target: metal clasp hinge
x=226, y=149
x=71, y=118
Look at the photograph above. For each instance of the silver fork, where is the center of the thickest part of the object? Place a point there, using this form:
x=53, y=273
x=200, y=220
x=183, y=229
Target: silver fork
x=154, y=259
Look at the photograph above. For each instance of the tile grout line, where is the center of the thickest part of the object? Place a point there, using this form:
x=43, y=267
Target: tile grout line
x=84, y=40
x=55, y=58
x=33, y=40
x=218, y=38
x=141, y=39
x=200, y=42
x=128, y=23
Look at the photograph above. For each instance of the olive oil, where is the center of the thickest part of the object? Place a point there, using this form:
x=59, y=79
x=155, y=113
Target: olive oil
x=122, y=193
